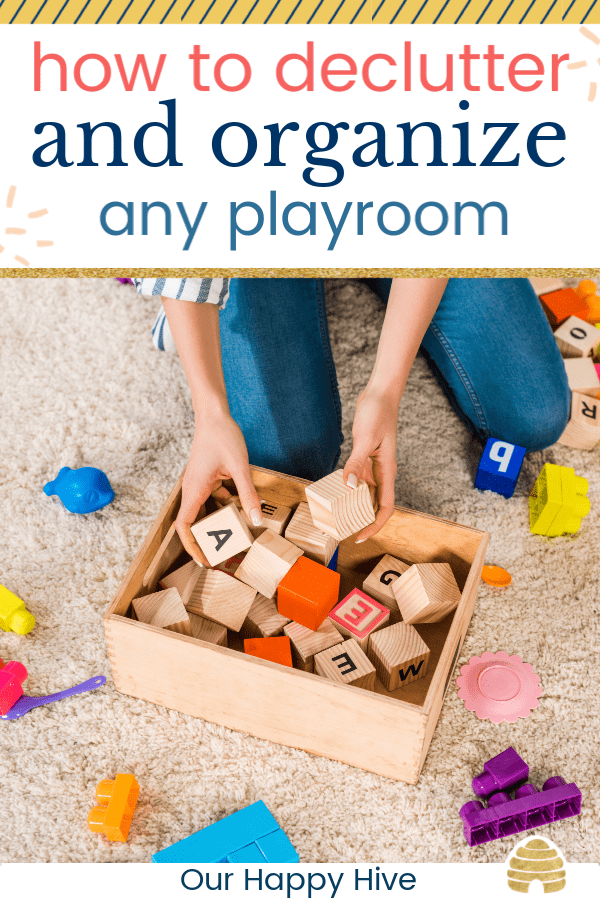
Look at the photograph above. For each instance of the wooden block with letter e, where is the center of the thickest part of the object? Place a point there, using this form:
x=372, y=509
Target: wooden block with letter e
x=399, y=654
x=357, y=616
x=305, y=642
x=164, y=609
x=303, y=532
x=222, y=534
x=583, y=377
x=308, y=593
x=275, y=517
x=577, y=338
x=205, y=630
x=347, y=664
x=221, y=598
x=263, y=620
x=427, y=592
x=583, y=429
x=269, y=559
x=339, y=510
x=379, y=583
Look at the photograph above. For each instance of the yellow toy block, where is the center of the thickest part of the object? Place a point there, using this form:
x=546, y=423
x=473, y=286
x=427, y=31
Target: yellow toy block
x=13, y=615
x=558, y=501
x=117, y=801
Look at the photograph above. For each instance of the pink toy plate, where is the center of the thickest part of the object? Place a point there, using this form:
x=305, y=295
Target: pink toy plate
x=499, y=687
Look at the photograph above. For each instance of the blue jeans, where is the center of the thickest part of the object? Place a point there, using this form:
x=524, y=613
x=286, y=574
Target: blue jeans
x=489, y=345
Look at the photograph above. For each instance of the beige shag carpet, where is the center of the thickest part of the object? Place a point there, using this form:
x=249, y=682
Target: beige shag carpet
x=81, y=384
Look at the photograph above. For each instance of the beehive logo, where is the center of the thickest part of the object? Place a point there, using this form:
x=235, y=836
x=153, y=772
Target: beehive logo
x=536, y=860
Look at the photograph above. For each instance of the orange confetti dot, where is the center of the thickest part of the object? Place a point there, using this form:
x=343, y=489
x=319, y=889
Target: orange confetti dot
x=496, y=576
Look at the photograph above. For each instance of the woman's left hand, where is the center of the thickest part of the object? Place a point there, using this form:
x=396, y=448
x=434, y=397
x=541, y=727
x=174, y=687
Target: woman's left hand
x=373, y=457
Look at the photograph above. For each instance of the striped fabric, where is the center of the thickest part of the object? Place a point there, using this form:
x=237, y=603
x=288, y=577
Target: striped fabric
x=196, y=290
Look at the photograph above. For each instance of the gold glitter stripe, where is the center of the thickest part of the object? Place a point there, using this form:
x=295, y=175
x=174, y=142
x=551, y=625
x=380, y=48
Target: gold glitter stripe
x=300, y=273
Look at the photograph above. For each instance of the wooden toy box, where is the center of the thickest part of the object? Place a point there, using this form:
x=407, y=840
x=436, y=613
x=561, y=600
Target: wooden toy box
x=386, y=733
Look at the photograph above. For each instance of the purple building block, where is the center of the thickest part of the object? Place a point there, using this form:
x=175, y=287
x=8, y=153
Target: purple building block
x=500, y=773
x=124, y=280
x=530, y=809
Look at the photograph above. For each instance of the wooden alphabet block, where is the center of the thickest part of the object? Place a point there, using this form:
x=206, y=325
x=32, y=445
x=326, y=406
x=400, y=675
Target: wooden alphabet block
x=583, y=429
x=164, y=609
x=205, y=630
x=221, y=598
x=379, y=583
x=426, y=593
x=274, y=649
x=559, y=305
x=357, y=616
x=347, y=664
x=231, y=565
x=399, y=654
x=576, y=338
x=305, y=643
x=546, y=285
x=308, y=593
x=302, y=532
x=583, y=377
x=275, y=518
x=184, y=579
x=222, y=534
x=263, y=620
x=267, y=561
x=339, y=510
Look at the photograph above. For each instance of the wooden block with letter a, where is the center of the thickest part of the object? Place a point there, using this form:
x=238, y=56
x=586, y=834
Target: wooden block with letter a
x=221, y=598
x=222, y=534
x=263, y=619
x=268, y=561
x=379, y=583
x=347, y=664
x=399, y=654
x=357, y=616
x=337, y=509
x=305, y=642
x=576, y=338
x=583, y=429
x=583, y=377
x=164, y=609
x=303, y=532
x=205, y=630
x=426, y=593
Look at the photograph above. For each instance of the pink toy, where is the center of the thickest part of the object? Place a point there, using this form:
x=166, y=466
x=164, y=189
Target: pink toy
x=358, y=616
x=499, y=687
x=12, y=676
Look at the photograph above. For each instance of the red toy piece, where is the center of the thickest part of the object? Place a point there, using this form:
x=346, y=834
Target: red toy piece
x=308, y=593
x=273, y=649
x=12, y=676
x=559, y=305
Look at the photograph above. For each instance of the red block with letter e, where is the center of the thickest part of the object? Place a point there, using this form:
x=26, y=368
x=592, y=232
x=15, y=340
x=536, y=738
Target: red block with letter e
x=358, y=616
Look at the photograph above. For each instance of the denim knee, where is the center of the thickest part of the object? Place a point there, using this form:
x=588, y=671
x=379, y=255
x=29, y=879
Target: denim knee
x=541, y=417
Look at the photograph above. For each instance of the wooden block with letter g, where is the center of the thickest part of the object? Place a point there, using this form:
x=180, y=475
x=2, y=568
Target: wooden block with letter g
x=164, y=609
x=222, y=534
x=303, y=532
x=347, y=664
x=379, y=583
x=268, y=561
x=337, y=509
x=427, y=592
x=399, y=654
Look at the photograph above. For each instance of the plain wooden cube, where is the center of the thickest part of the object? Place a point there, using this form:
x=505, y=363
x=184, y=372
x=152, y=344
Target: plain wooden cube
x=184, y=579
x=426, y=593
x=379, y=583
x=231, y=565
x=268, y=561
x=305, y=643
x=275, y=517
x=546, y=285
x=337, y=509
x=357, y=616
x=222, y=534
x=221, y=598
x=164, y=609
x=263, y=619
x=166, y=555
x=205, y=630
x=583, y=429
x=347, y=664
x=399, y=654
x=583, y=377
x=576, y=338
x=303, y=532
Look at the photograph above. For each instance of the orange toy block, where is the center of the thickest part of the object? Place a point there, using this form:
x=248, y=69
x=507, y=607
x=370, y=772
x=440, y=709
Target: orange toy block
x=559, y=305
x=117, y=801
x=308, y=593
x=273, y=649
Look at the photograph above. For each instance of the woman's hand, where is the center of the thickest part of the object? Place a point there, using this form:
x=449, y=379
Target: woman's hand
x=373, y=457
x=218, y=452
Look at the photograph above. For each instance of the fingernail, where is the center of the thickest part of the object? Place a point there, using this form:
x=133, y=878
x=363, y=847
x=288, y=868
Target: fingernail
x=198, y=563
x=256, y=517
x=352, y=482
x=360, y=541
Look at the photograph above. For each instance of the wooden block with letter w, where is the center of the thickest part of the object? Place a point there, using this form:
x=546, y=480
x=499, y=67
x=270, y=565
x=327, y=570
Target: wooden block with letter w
x=399, y=655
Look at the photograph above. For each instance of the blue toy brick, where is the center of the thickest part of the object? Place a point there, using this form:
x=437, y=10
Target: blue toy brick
x=249, y=854
x=332, y=564
x=499, y=467
x=217, y=841
x=277, y=848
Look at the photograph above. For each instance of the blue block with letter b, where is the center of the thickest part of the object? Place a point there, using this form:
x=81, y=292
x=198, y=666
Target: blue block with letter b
x=499, y=467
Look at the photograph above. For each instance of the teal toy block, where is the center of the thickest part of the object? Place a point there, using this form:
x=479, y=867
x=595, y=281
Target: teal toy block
x=499, y=467
x=249, y=854
x=277, y=848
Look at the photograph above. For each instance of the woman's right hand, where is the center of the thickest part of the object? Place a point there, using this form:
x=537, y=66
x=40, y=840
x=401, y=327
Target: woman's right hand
x=218, y=452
